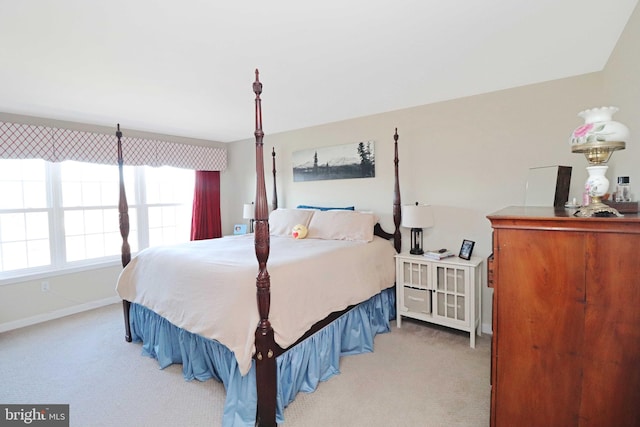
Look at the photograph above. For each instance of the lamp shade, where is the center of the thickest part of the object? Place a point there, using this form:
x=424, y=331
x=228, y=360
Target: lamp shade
x=248, y=211
x=417, y=216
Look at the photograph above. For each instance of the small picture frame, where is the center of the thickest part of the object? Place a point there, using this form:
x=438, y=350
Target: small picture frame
x=466, y=249
x=240, y=229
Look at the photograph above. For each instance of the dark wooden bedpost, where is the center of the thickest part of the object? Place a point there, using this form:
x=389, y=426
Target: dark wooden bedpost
x=274, y=202
x=397, y=213
x=123, y=208
x=264, y=340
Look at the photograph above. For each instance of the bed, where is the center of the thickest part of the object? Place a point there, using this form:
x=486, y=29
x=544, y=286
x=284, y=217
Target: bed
x=195, y=303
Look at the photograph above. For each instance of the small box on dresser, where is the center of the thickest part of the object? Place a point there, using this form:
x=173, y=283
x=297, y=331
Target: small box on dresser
x=444, y=292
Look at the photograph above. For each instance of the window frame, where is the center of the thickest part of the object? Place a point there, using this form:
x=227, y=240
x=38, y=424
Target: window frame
x=59, y=265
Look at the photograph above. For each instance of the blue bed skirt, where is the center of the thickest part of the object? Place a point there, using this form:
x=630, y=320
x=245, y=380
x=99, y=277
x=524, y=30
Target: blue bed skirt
x=299, y=369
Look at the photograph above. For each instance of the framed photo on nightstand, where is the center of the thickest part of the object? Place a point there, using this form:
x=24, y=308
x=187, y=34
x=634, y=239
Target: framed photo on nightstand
x=466, y=249
x=240, y=229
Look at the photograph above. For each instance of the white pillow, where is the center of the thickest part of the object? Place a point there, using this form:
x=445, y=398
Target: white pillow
x=341, y=225
x=376, y=219
x=282, y=221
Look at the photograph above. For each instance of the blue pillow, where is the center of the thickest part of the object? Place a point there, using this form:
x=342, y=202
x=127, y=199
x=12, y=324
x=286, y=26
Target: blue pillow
x=323, y=208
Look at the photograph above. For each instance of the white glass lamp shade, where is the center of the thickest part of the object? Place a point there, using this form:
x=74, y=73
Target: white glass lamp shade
x=248, y=211
x=416, y=217
x=599, y=136
x=599, y=127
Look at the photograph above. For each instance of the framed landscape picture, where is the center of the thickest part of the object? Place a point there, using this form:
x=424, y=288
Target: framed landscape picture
x=356, y=160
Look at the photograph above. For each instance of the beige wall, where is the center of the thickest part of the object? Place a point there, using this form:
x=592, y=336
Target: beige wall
x=622, y=89
x=467, y=157
x=24, y=303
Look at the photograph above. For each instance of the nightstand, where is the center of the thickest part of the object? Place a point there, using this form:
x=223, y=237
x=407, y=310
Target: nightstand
x=445, y=292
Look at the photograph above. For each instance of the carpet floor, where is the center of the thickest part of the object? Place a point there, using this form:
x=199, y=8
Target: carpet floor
x=418, y=375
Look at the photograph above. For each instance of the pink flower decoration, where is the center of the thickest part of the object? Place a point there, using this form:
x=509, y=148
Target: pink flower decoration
x=582, y=130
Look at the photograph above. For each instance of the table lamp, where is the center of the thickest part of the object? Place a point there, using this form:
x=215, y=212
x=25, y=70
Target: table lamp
x=248, y=212
x=416, y=217
x=597, y=139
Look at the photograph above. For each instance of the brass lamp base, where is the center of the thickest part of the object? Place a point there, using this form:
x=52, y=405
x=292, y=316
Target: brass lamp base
x=596, y=208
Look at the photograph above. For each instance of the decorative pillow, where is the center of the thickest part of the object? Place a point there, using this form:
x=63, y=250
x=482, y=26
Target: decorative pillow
x=341, y=225
x=299, y=231
x=282, y=221
x=323, y=208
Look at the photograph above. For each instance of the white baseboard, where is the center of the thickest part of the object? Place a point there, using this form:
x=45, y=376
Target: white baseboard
x=8, y=326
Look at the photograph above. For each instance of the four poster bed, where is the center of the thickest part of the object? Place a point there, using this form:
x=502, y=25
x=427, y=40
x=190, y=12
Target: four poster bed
x=195, y=303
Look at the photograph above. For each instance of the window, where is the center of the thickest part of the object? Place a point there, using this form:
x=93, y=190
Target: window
x=169, y=205
x=24, y=215
x=60, y=215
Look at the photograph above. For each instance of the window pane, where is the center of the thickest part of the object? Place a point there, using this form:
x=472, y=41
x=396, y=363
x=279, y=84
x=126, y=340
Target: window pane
x=111, y=220
x=87, y=184
x=38, y=252
x=155, y=217
x=93, y=222
x=35, y=194
x=91, y=194
x=12, y=227
x=113, y=244
x=111, y=192
x=14, y=256
x=72, y=194
x=22, y=169
x=11, y=195
x=95, y=245
x=170, y=197
x=75, y=248
x=169, y=185
x=169, y=216
x=11, y=169
x=73, y=222
x=38, y=226
x=156, y=237
x=23, y=184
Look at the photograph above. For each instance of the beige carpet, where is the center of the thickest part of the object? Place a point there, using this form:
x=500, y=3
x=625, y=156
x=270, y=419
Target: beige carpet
x=419, y=375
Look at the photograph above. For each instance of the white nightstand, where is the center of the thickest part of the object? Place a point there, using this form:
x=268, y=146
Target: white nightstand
x=446, y=292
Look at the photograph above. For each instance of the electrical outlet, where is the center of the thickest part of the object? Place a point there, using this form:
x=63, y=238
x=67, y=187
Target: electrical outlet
x=44, y=286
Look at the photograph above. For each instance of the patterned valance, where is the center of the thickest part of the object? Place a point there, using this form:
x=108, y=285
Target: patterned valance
x=22, y=141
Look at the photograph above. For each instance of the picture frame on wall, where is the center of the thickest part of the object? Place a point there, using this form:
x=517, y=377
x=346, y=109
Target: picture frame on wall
x=466, y=249
x=354, y=160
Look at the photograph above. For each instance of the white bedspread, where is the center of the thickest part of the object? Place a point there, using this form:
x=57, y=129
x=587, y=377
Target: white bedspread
x=208, y=287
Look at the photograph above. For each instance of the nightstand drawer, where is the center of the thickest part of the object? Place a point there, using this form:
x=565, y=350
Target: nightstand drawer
x=417, y=300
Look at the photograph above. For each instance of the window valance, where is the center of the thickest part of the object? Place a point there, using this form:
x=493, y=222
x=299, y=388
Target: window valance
x=24, y=141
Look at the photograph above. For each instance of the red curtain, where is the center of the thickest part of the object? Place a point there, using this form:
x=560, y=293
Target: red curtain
x=205, y=218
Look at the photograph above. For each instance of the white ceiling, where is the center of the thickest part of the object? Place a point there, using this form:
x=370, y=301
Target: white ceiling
x=186, y=67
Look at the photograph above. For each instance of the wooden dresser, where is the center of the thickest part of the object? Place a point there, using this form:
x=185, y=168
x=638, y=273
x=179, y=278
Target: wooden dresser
x=566, y=319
